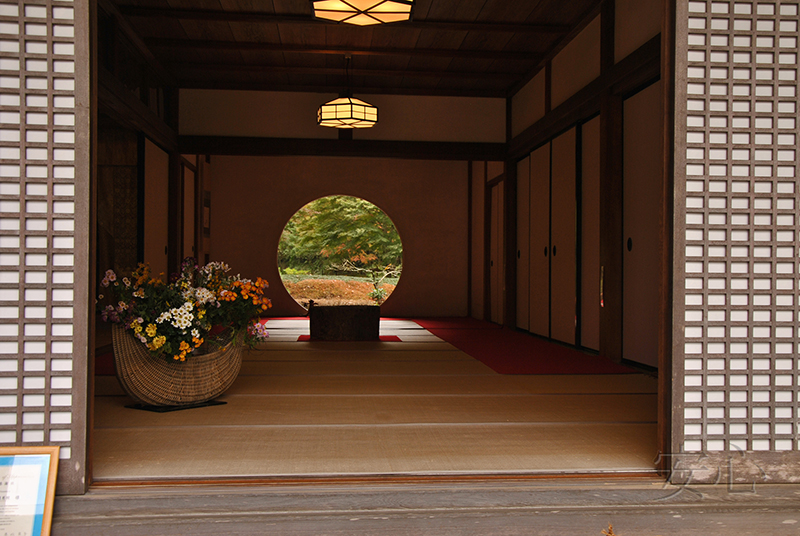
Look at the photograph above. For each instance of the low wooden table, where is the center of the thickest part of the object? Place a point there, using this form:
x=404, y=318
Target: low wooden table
x=345, y=322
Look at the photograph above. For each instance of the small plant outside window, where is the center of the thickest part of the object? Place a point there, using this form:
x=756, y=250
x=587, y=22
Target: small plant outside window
x=340, y=250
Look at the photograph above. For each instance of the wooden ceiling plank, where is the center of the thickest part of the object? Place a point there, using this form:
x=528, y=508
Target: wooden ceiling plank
x=245, y=16
x=132, y=35
x=294, y=70
x=300, y=8
x=451, y=46
x=436, y=40
x=252, y=32
x=266, y=6
x=505, y=11
x=255, y=83
x=252, y=45
x=559, y=12
x=452, y=10
x=339, y=37
x=393, y=38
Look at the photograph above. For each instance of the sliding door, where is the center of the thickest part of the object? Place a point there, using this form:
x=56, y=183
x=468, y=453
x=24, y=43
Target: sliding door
x=563, y=272
x=641, y=176
x=590, y=235
x=539, y=285
x=496, y=264
x=523, y=243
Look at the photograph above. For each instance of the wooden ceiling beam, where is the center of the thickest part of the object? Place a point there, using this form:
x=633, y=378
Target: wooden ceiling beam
x=160, y=42
x=255, y=85
x=258, y=16
x=418, y=150
x=334, y=71
x=127, y=30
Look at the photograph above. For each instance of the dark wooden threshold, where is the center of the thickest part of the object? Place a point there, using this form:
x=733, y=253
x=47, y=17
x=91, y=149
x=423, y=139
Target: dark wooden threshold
x=649, y=476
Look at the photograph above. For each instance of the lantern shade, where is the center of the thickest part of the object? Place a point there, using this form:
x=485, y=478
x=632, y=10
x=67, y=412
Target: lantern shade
x=363, y=12
x=347, y=112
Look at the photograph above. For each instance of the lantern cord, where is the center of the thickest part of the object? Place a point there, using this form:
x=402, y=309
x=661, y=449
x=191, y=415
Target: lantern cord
x=347, y=59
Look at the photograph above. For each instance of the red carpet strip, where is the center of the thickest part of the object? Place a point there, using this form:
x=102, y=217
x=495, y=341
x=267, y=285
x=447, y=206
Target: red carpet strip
x=503, y=350
x=511, y=352
x=383, y=338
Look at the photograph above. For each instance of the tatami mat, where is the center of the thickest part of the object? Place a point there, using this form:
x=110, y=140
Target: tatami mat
x=322, y=410
x=313, y=409
x=233, y=451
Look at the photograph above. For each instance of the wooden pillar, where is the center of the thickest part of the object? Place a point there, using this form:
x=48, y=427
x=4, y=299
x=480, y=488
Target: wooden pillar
x=487, y=245
x=175, y=222
x=199, y=189
x=510, y=244
x=611, y=227
x=610, y=199
x=667, y=333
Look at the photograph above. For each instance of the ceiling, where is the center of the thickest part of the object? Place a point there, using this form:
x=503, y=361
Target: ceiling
x=450, y=47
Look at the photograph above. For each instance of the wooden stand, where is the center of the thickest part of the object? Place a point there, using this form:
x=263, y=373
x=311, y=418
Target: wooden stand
x=345, y=322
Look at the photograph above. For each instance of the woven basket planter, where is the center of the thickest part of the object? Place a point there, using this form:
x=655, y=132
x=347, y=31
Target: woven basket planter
x=155, y=381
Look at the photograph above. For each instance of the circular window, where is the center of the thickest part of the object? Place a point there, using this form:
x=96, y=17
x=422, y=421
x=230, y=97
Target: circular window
x=340, y=250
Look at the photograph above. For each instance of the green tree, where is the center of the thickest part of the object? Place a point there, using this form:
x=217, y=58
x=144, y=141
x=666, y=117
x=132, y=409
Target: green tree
x=341, y=233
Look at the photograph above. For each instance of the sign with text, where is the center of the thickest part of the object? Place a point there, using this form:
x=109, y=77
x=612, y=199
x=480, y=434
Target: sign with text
x=27, y=490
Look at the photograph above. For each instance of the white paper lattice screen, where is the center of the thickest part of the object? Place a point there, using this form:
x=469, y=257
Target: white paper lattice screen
x=740, y=300
x=37, y=222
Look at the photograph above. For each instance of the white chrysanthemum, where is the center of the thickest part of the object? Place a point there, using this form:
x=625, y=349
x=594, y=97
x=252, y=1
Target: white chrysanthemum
x=182, y=316
x=203, y=295
x=214, y=266
x=181, y=322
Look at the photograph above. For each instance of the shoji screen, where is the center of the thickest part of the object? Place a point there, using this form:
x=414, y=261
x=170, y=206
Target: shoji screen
x=735, y=355
x=44, y=229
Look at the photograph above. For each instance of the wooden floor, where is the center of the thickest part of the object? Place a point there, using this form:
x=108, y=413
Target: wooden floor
x=416, y=407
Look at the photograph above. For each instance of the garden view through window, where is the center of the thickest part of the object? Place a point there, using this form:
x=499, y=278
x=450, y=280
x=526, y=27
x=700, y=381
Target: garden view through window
x=340, y=250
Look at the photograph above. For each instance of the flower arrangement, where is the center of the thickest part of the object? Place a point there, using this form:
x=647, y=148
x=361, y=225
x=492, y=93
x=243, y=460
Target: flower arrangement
x=174, y=319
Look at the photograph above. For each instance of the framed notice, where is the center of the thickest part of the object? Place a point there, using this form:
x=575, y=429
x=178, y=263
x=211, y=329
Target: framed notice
x=27, y=490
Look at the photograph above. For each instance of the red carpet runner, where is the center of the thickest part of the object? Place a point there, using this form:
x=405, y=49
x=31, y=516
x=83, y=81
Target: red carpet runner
x=511, y=352
x=503, y=350
x=383, y=338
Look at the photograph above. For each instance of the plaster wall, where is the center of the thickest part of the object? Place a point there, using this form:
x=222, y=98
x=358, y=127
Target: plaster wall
x=528, y=104
x=636, y=22
x=269, y=114
x=431, y=118
x=427, y=201
x=577, y=64
x=156, y=180
x=294, y=115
